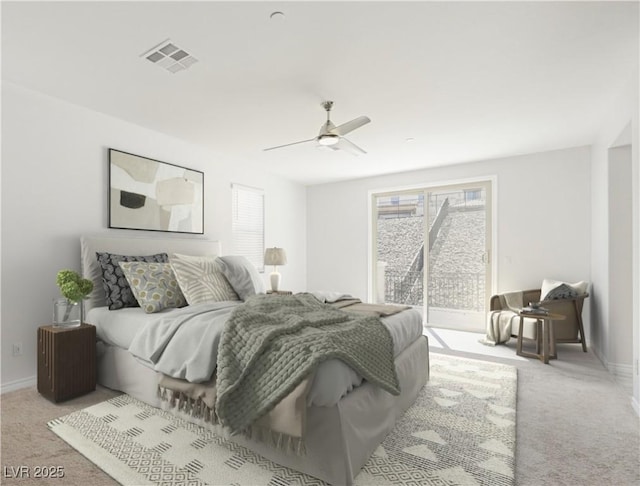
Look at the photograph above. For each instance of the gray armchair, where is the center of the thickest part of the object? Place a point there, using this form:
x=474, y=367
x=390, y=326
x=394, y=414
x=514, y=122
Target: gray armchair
x=570, y=330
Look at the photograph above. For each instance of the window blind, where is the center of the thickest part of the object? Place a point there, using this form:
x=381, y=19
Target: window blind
x=248, y=223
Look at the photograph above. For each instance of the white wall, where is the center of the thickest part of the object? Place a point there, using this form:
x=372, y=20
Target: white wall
x=620, y=321
x=543, y=226
x=620, y=126
x=635, y=242
x=54, y=188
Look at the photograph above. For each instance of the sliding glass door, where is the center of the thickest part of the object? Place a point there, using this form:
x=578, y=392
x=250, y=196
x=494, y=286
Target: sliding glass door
x=431, y=250
x=399, y=248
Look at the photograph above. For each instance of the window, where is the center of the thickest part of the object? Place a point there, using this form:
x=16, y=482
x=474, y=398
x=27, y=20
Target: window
x=247, y=225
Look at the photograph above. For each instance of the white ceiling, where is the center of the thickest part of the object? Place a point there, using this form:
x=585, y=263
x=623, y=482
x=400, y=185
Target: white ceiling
x=467, y=81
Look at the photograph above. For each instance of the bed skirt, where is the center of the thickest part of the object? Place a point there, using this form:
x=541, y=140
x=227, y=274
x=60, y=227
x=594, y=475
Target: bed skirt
x=339, y=440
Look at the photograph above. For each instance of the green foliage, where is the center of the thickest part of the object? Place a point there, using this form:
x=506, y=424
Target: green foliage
x=73, y=286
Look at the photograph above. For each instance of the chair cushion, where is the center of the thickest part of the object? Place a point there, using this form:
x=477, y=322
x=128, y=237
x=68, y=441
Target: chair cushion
x=529, y=329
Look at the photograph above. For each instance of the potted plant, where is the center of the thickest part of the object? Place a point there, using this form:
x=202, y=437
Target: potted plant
x=68, y=312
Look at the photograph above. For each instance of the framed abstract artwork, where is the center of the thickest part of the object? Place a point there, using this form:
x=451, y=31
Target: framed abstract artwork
x=146, y=194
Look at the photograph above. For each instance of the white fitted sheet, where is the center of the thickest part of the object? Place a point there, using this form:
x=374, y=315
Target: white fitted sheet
x=333, y=379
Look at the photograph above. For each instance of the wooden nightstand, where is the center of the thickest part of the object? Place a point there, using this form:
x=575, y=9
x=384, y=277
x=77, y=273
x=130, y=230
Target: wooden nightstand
x=279, y=292
x=66, y=361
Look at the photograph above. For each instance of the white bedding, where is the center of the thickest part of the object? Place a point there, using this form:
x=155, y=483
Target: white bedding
x=332, y=381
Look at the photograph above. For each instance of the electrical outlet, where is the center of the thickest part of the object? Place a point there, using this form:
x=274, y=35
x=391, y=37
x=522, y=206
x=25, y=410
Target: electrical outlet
x=17, y=349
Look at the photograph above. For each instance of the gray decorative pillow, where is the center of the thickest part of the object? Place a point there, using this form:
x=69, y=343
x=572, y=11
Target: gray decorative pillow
x=562, y=291
x=118, y=293
x=242, y=275
x=154, y=285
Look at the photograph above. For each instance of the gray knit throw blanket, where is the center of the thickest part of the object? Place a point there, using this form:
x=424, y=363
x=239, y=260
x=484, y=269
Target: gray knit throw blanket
x=271, y=343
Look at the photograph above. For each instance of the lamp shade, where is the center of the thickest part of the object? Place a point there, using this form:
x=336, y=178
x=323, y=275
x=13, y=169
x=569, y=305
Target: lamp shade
x=275, y=256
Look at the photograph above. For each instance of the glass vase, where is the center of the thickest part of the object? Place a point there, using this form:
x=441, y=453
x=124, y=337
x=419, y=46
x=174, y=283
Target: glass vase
x=67, y=313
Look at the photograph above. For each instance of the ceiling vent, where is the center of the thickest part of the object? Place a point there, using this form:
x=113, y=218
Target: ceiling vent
x=170, y=57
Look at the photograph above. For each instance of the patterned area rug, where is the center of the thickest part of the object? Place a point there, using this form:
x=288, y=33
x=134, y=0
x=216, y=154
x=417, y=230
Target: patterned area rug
x=460, y=431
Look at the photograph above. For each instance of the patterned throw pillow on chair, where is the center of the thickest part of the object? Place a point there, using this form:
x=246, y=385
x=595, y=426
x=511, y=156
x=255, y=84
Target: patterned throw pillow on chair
x=562, y=291
x=550, y=289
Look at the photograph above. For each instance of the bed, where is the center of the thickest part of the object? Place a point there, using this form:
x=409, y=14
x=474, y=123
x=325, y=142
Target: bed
x=341, y=432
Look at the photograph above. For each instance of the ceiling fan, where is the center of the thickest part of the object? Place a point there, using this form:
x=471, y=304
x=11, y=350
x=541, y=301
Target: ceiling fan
x=332, y=136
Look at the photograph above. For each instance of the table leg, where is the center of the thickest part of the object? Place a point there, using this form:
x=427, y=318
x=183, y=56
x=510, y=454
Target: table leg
x=545, y=341
x=519, y=343
x=552, y=341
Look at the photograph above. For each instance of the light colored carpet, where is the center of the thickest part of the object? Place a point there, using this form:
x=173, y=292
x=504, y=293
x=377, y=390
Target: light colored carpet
x=460, y=431
x=575, y=426
x=27, y=442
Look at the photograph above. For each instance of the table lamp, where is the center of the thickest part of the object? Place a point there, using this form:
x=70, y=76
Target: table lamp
x=275, y=256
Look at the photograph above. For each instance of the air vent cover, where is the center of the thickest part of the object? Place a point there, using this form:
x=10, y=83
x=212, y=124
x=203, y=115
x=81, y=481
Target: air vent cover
x=170, y=57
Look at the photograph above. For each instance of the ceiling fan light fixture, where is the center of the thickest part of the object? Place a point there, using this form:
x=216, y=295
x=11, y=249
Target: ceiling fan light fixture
x=328, y=139
x=331, y=137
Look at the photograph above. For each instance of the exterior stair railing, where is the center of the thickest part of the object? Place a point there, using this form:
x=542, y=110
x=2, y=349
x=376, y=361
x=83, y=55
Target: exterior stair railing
x=404, y=289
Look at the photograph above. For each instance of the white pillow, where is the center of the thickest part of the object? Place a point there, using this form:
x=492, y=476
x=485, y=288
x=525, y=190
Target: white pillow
x=200, y=279
x=548, y=285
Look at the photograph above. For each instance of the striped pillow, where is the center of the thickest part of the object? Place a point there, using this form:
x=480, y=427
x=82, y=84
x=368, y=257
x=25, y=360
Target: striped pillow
x=200, y=279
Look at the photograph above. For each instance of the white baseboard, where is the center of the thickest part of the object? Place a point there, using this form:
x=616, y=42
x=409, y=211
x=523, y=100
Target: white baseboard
x=18, y=384
x=622, y=373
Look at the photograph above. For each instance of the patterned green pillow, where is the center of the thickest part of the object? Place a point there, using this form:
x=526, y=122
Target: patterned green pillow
x=154, y=285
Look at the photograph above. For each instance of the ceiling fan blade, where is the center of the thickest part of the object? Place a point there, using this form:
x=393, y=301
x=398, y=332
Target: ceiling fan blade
x=349, y=146
x=351, y=125
x=289, y=144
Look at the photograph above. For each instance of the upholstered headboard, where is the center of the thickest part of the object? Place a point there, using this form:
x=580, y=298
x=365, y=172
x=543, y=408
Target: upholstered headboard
x=89, y=245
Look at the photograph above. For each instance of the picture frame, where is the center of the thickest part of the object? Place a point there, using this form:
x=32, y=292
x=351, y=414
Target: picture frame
x=151, y=195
